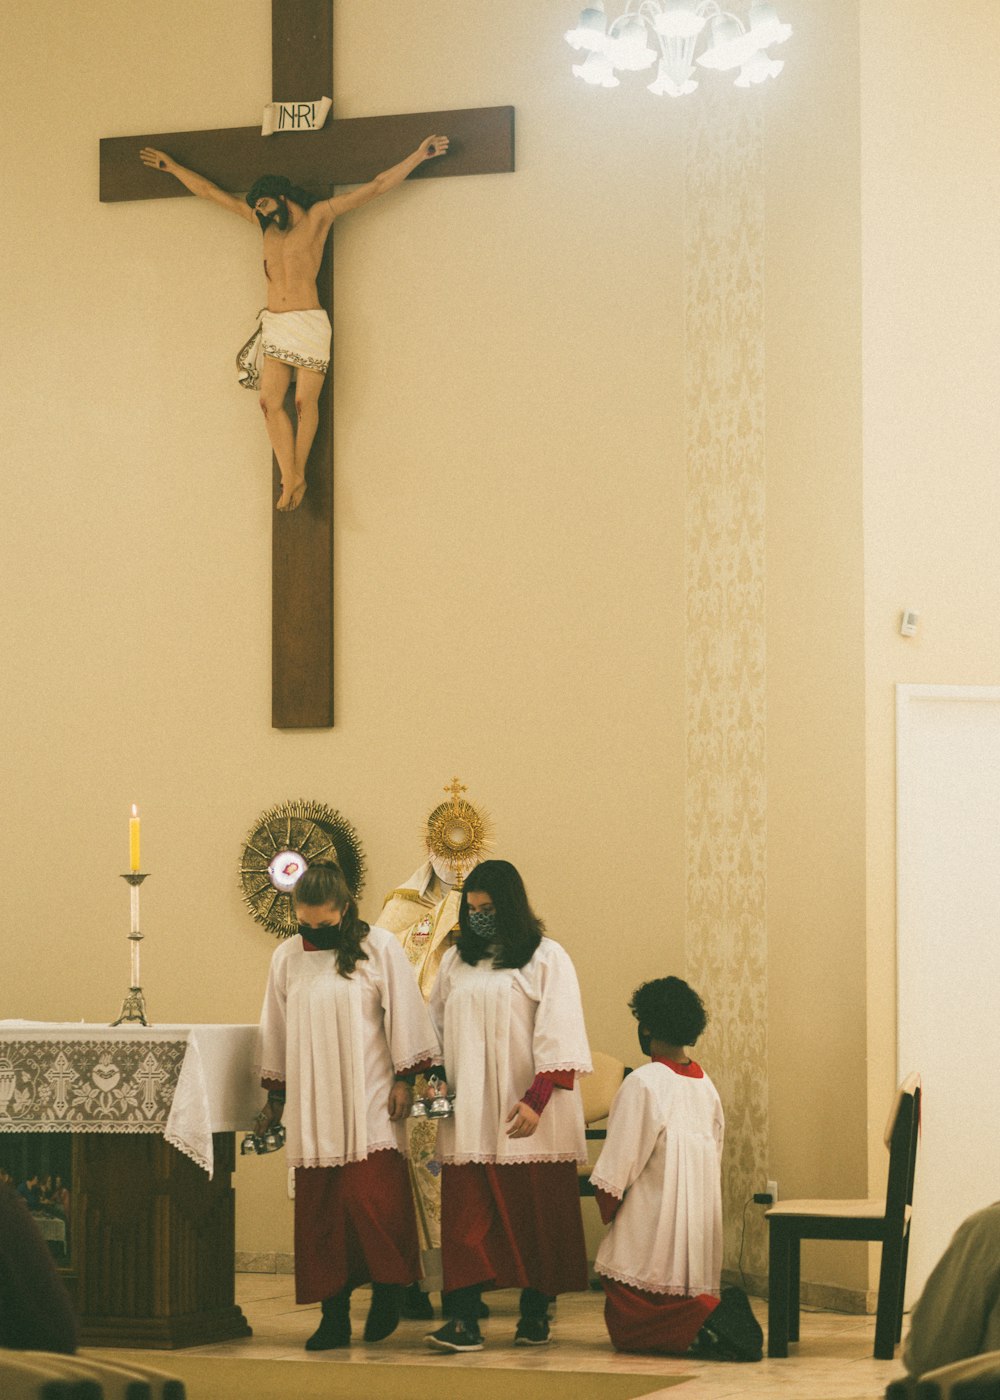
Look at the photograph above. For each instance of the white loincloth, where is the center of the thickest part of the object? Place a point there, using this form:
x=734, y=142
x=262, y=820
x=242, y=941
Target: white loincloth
x=298, y=338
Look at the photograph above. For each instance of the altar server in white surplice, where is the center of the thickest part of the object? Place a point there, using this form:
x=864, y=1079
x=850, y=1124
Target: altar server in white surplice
x=507, y=1006
x=658, y=1185
x=343, y=1031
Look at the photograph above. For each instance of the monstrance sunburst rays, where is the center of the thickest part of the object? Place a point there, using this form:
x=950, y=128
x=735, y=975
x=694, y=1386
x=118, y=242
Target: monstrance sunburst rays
x=310, y=830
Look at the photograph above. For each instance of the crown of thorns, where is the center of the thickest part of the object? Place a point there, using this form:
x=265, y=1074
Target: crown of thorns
x=276, y=187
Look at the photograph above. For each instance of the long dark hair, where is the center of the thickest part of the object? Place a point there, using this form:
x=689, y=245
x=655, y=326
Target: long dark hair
x=324, y=883
x=519, y=930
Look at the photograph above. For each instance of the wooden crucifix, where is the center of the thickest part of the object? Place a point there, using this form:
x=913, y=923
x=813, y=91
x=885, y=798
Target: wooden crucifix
x=344, y=152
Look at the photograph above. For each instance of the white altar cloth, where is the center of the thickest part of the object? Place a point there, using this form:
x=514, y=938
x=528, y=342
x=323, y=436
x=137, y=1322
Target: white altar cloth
x=183, y=1081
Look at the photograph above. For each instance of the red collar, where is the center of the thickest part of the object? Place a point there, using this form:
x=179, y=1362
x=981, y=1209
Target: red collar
x=688, y=1071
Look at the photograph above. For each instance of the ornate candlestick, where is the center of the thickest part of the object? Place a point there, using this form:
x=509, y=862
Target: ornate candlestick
x=134, y=1005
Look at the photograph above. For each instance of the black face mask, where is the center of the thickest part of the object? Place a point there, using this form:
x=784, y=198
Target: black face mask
x=645, y=1040
x=326, y=938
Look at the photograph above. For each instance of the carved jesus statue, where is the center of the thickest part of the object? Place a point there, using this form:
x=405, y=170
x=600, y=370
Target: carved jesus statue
x=294, y=333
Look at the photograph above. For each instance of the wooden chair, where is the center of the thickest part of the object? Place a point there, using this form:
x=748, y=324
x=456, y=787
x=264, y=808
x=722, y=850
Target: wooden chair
x=597, y=1091
x=887, y=1221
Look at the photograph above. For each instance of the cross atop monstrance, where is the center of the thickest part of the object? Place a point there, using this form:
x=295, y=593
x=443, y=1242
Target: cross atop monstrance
x=456, y=789
x=341, y=153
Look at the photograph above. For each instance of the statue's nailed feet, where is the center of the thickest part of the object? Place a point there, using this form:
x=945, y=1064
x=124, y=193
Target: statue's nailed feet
x=292, y=492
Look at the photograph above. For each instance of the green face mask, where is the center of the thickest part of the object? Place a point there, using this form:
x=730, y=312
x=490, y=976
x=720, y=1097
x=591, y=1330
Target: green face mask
x=483, y=923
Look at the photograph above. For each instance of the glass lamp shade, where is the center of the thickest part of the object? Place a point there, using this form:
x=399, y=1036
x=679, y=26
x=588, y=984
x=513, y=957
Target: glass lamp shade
x=670, y=82
x=625, y=45
x=758, y=69
x=596, y=69
x=628, y=48
x=765, y=26
x=730, y=47
x=591, y=31
x=679, y=19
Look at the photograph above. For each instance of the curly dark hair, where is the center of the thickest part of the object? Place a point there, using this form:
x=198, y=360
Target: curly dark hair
x=670, y=1010
x=519, y=929
x=324, y=883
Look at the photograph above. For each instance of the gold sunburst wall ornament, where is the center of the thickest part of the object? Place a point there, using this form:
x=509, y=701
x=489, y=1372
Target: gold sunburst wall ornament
x=281, y=845
x=459, y=833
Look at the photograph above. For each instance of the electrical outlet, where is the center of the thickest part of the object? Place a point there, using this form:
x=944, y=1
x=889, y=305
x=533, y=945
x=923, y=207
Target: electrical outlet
x=772, y=1187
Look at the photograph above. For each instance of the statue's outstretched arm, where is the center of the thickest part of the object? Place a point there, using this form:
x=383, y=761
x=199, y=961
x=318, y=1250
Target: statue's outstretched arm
x=388, y=180
x=197, y=184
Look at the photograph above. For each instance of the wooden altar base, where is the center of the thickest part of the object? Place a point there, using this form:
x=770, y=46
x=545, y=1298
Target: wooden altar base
x=153, y=1243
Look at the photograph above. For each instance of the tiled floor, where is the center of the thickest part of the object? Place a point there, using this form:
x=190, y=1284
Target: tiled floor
x=833, y=1361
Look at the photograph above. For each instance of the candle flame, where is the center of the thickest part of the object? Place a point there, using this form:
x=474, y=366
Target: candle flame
x=135, y=812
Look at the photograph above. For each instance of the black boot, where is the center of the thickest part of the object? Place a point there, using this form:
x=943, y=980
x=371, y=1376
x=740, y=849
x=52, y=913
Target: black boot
x=416, y=1304
x=731, y=1332
x=383, y=1315
x=533, y=1325
x=335, y=1328
x=447, y=1306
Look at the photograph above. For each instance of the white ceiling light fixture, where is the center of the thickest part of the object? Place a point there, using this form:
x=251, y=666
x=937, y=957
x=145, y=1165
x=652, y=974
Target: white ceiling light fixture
x=670, y=31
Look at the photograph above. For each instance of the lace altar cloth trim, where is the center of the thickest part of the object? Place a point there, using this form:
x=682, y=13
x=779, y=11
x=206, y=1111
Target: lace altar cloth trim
x=184, y=1082
x=88, y=1085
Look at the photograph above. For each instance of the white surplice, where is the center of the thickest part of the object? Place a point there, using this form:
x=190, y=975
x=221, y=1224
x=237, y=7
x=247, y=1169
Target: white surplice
x=662, y=1160
x=337, y=1043
x=500, y=1027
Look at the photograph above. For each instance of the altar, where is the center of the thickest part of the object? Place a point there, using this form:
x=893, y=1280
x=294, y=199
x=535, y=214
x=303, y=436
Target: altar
x=152, y=1111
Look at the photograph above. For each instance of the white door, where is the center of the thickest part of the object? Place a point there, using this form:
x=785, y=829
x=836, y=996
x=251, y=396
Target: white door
x=948, y=949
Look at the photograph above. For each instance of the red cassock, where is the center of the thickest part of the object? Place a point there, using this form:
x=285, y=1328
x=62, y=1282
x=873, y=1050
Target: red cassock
x=652, y=1322
x=513, y=1226
x=354, y=1224
x=510, y=1202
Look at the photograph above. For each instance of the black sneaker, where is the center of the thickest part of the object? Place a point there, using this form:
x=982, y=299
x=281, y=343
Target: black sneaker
x=456, y=1335
x=532, y=1332
x=383, y=1315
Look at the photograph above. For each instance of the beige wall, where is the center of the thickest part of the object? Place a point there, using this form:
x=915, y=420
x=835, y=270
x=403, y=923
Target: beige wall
x=514, y=538
x=815, y=634
x=931, y=367
x=509, y=500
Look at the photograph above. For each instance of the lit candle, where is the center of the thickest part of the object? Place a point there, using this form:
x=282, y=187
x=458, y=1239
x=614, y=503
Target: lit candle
x=133, y=839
